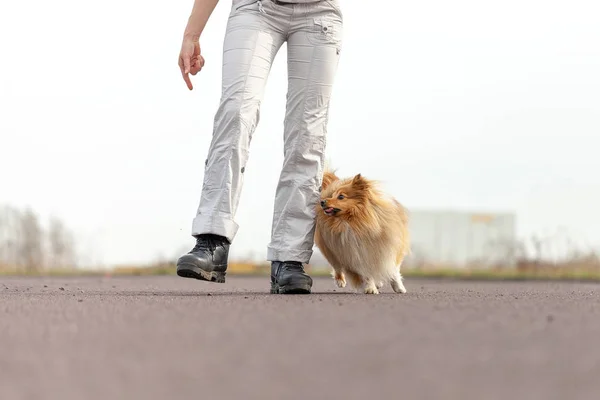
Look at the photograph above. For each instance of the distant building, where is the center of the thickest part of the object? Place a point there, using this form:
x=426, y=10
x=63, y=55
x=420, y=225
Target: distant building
x=458, y=239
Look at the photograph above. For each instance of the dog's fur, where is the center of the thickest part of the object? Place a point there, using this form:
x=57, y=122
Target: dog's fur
x=362, y=232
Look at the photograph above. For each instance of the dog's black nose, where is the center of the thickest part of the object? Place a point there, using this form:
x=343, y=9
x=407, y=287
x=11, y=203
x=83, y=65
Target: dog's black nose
x=323, y=202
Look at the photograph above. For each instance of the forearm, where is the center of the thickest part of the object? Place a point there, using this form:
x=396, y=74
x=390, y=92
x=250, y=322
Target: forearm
x=200, y=13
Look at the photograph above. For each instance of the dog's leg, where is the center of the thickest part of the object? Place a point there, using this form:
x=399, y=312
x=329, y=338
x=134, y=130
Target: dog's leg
x=338, y=272
x=370, y=287
x=397, y=284
x=338, y=276
x=355, y=279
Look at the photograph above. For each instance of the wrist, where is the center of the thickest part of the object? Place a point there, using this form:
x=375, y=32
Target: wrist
x=193, y=36
x=192, y=32
x=193, y=29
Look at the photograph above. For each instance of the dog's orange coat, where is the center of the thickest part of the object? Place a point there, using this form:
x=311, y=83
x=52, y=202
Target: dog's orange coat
x=362, y=233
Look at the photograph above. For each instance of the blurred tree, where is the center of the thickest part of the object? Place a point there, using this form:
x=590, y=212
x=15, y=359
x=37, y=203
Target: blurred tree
x=61, y=245
x=31, y=252
x=10, y=234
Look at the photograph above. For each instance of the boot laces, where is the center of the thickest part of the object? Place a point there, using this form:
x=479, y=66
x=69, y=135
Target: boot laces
x=206, y=244
x=289, y=266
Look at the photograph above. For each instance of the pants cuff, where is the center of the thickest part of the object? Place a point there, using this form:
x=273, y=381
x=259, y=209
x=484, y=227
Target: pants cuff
x=217, y=226
x=302, y=256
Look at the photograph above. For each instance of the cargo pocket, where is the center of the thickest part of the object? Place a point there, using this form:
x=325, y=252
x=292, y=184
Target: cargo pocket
x=324, y=31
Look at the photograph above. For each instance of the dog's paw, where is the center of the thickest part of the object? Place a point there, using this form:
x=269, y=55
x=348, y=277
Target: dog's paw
x=371, y=289
x=340, y=282
x=340, y=279
x=398, y=287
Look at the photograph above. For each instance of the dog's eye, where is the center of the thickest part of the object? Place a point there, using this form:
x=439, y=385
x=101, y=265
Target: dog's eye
x=341, y=197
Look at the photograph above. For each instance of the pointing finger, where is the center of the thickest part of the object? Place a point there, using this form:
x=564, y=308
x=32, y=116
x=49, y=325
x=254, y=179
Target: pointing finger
x=185, y=74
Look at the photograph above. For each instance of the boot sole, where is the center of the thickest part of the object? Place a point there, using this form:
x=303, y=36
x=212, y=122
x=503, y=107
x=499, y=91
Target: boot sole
x=191, y=271
x=290, y=289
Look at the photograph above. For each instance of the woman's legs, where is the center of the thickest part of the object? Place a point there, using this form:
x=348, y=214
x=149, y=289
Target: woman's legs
x=255, y=33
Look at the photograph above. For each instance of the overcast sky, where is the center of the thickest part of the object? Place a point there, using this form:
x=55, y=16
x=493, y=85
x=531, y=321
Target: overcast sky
x=457, y=104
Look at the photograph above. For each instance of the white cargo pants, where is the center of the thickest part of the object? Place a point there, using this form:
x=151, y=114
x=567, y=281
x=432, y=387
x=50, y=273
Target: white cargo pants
x=255, y=32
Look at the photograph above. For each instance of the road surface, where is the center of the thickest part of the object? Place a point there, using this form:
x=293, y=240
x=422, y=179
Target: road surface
x=173, y=338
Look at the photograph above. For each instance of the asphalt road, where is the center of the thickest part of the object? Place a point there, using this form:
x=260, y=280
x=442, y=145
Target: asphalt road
x=173, y=338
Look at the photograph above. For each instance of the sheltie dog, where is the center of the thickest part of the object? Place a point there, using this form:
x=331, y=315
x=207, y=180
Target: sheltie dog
x=362, y=232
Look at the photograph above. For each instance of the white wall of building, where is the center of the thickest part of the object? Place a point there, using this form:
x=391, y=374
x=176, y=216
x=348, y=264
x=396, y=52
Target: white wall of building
x=460, y=239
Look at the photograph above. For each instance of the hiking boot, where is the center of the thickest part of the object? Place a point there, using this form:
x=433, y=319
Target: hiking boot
x=207, y=261
x=288, y=277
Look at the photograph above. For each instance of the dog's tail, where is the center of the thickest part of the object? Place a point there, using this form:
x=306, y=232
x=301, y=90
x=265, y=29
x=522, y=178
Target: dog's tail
x=405, y=248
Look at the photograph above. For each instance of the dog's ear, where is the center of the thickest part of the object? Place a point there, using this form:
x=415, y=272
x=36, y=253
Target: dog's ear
x=328, y=177
x=360, y=183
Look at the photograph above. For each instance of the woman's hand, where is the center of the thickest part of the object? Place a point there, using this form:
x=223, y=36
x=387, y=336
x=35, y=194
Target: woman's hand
x=190, y=59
